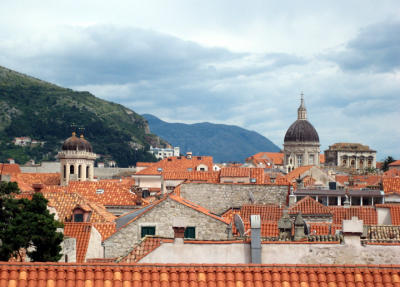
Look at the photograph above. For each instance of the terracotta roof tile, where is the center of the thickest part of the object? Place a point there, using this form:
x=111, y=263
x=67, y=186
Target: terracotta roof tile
x=177, y=164
x=395, y=163
x=383, y=233
x=360, y=181
x=393, y=172
x=203, y=176
x=25, y=181
x=117, y=274
x=391, y=184
x=366, y=213
x=144, y=247
x=8, y=168
x=309, y=206
x=291, y=176
x=235, y=172
x=81, y=231
x=106, y=192
x=266, y=212
x=106, y=229
x=64, y=202
x=267, y=157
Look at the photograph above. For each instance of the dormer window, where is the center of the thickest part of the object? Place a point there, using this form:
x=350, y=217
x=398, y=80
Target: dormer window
x=253, y=180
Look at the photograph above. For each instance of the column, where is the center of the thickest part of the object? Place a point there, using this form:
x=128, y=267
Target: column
x=67, y=174
x=83, y=171
x=91, y=172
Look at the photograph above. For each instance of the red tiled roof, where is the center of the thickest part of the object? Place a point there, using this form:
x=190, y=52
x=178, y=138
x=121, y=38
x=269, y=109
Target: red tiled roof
x=203, y=176
x=8, y=168
x=64, y=202
x=25, y=181
x=395, y=163
x=106, y=192
x=147, y=245
x=81, y=231
x=230, y=275
x=266, y=157
x=176, y=164
x=297, y=172
x=360, y=181
x=366, y=213
x=235, y=172
x=391, y=184
x=266, y=212
x=106, y=229
x=308, y=206
x=322, y=228
x=322, y=158
x=393, y=172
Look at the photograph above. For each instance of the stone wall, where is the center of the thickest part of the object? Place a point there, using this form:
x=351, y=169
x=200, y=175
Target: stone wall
x=68, y=250
x=220, y=197
x=274, y=253
x=162, y=217
x=95, y=249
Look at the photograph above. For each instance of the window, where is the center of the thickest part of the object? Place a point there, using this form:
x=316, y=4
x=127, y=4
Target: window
x=148, y=230
x=311, y=161
x=299, y=160
x=79, y=171
x=65, y=171
x=87, y=172
x=190, y=232
x=78, y=217
x=71, y=169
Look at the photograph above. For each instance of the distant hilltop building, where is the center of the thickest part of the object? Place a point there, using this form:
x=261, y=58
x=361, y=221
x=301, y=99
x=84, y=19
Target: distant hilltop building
x=301, y=143
x=161, y=153
x=76, y=160
x=350, y=155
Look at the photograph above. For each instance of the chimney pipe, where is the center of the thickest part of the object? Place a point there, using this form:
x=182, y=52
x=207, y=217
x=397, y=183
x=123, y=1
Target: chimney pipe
x=255, y=223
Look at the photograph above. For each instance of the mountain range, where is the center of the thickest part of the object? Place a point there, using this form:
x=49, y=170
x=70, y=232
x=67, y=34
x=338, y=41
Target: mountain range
x=226, y=143
x=45, y=112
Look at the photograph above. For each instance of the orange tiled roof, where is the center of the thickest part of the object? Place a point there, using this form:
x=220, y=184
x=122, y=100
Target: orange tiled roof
x=176, y=164
x=147, y=245
x=203, y=176
x=265, y=157
x=266, y=212
x=322, y=158
x=395, y=163
x=291, y=176
x=235, y=172
x=26, y=180
x=324, y=228
x=309, y=206
x=230, y=275
x=64, y=202
x=8, y=168
x=366, y=213
x=360, y=181
x=391, y=184
x=106, y=192
x=81, y=231
x=106, y=229
x=393, y=172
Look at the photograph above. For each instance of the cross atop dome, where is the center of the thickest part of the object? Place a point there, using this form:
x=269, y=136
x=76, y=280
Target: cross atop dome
x=302, y=111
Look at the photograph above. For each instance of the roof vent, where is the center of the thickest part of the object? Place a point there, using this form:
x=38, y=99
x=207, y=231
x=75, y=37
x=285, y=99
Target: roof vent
x=190, y=169
x=159, y=169
x=253, y=180
x=99, y=191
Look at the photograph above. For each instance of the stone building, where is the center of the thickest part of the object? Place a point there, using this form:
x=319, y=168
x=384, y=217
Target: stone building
x=76, y=160
x=350, y=155
x=301, y=143
x=158, y=219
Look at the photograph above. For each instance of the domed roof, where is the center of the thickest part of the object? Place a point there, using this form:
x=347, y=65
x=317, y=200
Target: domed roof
x=301, y=131
x=77, y=144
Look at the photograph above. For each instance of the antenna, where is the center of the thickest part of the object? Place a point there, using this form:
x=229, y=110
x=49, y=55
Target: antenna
x=251, y=196
x=239, y=224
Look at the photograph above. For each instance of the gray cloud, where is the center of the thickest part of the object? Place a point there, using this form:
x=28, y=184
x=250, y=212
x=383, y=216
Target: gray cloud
x=376, y=48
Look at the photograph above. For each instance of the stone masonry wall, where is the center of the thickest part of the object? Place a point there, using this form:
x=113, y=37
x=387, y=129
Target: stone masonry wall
x=220, y=197
x=162, y=217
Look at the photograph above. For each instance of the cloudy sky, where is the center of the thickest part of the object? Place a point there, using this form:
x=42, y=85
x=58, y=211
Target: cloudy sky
x=232, y=62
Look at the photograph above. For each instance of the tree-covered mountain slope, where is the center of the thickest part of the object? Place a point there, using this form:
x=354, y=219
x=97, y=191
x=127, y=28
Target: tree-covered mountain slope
x=45, y=112
x=225, y=143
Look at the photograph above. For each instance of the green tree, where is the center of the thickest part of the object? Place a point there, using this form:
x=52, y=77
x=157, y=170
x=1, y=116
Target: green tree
x=386, y=163
x=27, y=224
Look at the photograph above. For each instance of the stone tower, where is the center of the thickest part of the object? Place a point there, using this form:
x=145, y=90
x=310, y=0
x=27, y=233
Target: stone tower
x=76, y=159
x=301, y=143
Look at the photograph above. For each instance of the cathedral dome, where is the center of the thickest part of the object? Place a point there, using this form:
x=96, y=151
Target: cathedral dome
x=301, y=131
x=77, y=144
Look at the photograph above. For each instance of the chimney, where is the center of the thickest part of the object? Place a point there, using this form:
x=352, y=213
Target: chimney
x=352, y=231
x=139, y=196
x=285, y=226
x=189, y=155
x=255, y=223
x=299, y=225
x=292, y=197
x=179, y=227
x=37, y=187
